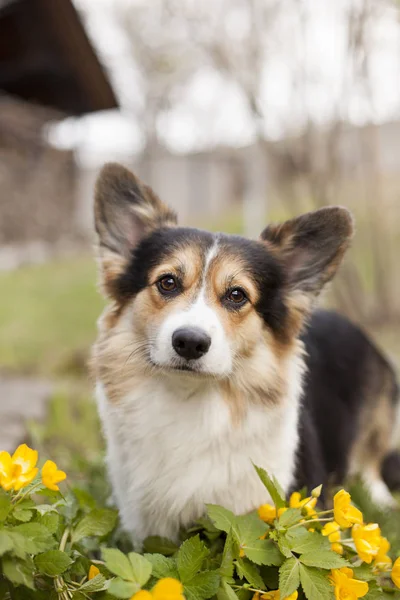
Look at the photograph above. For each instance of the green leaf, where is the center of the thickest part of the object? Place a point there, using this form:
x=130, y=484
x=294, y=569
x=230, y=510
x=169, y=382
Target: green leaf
x=97, y=584
x=21, y=514
x=155, y=544
x=222, y=518
x=6, y=543
x=162, y=566
x=273, y=487
x=18, y=572
x=363, y=572
x=263, y=552
x=230, y=552
x=225, y=592
x=98, y=522
x=315, y=584
x=202, y=586
x=375, y=592
x=307, y=542
x=291, y=516
x=284, y=546
x=32, y=538
x=118, y=563
x=53, y=562
x=249, y=528
x=250, y=573
x=323, y=559
x=190, y=558
x=289, y=577
x=141, y=568
x=122, y=589
x=5, y=505
x=51, y=521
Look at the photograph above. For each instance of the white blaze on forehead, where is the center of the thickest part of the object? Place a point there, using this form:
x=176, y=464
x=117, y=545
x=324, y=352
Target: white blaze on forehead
x=218, y=359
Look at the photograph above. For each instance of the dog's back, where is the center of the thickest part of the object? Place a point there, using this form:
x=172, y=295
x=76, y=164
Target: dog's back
x=350, y=408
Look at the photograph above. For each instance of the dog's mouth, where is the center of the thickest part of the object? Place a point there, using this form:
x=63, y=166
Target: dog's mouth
x=183, y=368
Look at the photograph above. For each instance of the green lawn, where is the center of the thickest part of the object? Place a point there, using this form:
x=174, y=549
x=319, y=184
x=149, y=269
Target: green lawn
x=48, y=316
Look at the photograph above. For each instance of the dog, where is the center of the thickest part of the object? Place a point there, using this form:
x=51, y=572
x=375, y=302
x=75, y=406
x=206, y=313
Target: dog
x=211, y=358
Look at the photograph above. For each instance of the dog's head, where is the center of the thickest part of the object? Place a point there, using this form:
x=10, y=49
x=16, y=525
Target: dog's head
x=208, y=304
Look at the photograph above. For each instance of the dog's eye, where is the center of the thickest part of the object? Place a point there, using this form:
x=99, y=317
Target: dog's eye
x=167, y=285
x=237, y=296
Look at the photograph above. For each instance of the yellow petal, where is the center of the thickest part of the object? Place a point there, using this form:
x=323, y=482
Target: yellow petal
x=142, y=595
x=267, y=513
x=25, y=457
x=93, y=571
x=293, y=596
x=396, y=573
x=25, y=479
x=51, y=475
x=168, y=589
x=338, y=548
x=345, y=514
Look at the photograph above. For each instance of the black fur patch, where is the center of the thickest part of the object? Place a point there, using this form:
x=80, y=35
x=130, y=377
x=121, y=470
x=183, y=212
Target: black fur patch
x=151, y=251
x=268, y=275
x=343, y=369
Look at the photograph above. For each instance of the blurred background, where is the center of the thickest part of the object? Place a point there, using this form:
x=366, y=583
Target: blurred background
x=237, y=112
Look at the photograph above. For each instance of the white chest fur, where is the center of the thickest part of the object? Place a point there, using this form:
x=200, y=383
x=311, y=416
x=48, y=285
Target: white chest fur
x=172, y=447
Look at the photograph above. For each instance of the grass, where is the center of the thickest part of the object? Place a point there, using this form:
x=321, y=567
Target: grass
x=48, y=317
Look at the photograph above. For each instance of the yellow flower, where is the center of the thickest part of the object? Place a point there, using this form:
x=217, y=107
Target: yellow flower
x=338, y=548
x=345, y=514
x=93, y=571
x=167, y=589
x=267, y=513
x=396, y=573
x=382, y=560
x=332, y=531
x=307, y=503
x=18, y=470
x=346, y=587
x=51, y=475
x=367, y=539
x=142, y=595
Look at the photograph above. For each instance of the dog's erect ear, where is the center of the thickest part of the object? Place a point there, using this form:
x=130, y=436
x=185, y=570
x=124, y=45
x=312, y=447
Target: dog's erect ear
x=125, y=211
x=311, y=247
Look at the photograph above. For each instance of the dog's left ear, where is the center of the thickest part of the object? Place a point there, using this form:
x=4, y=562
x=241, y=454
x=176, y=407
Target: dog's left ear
x=311, y=247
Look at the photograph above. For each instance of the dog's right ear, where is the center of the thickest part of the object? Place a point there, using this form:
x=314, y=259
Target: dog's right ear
x=125, y=211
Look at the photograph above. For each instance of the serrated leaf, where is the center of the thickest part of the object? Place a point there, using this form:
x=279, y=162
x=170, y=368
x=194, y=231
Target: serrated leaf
x=97, y=584
x=155, y=544
x=308, y=542
x=18, y=572
x=22, y=515
x=289, y=577
x=291, y=516
x=230, y=552
x=190, y=558
x=315, y=584
x=53, y=562
x=5, y=505
x=6, y=543
x=141, y=568
x=162, y=566
x=32, y=538
x=284, y=546
x=250, y=572
x=375, y=592
x=323, y=559
x=51, y=521
x=274, y=489
x=122, y=589
x=98, y=522
x=118, y=563
x=363, y=572
x=249, y=528
x=264, y=552
x=202, y=586
x=225, y=592
x=222, y=518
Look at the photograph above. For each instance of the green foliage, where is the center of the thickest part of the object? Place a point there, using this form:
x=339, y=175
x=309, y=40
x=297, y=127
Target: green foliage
x=48, y=543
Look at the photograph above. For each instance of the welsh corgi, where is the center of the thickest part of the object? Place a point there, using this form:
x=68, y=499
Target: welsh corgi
x=211, y=357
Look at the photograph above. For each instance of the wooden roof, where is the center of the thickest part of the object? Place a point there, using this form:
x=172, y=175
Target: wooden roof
x=46, y=57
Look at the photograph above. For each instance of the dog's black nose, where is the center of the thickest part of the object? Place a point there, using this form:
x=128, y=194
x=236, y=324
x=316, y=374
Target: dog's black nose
x=190, y=342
